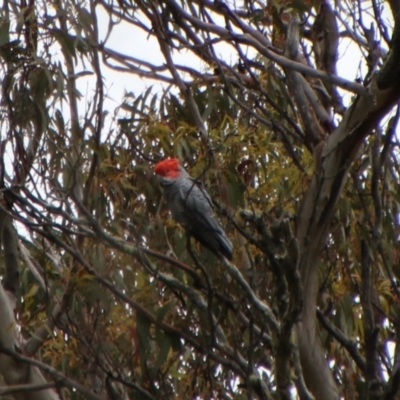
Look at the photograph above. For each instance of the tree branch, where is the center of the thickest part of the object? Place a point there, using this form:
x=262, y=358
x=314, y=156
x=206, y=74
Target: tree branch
x=59, y=378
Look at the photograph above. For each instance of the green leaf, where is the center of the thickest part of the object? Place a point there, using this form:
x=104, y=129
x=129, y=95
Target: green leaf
x=163, y=311
x=143, y=329
x=4, y=32
x=66, y=41
x=165, y=346
x=85, y=17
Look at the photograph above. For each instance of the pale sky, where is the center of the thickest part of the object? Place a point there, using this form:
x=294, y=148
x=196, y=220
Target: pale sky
x=135, y=42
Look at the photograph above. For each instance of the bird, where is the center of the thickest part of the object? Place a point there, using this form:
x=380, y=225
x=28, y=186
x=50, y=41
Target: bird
x=192, y=207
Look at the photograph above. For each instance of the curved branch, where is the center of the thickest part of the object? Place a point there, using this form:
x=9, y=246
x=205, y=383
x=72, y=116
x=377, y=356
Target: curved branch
x=319, y=205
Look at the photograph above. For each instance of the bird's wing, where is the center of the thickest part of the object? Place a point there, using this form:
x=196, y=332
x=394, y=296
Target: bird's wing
x=200, y=187
x=199, y=204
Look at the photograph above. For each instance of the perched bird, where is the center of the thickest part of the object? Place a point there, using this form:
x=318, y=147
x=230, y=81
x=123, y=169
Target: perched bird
x=192, y=207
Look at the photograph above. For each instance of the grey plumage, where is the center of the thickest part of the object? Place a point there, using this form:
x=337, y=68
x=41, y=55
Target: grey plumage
x=192, y=207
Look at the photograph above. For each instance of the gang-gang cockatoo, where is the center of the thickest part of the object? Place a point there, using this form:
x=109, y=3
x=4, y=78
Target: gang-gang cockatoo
x=192, y=207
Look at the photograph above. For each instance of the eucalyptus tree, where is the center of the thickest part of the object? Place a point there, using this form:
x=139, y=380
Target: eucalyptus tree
x=287, y=112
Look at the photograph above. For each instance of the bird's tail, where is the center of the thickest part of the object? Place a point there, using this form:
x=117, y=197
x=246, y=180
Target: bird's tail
x=225, y=246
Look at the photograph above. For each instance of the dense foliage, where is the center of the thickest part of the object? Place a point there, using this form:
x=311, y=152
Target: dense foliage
x=103, y=296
